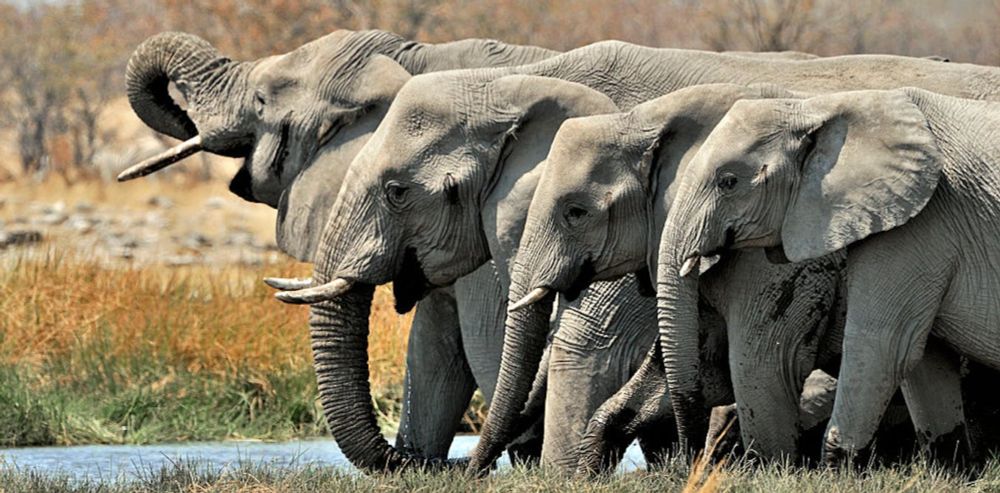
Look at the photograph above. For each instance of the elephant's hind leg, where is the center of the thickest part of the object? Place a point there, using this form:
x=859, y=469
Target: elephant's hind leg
x=438, y=382
x=934, y=397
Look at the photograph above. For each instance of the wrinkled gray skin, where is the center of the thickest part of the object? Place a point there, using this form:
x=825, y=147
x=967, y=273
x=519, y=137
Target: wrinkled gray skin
x=299, y=119
x=368, y=244
x=602, y=200
x=449, y=175
x=906, y=182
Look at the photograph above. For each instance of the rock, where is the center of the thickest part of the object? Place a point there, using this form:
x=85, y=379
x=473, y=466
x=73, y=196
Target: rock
x=180, y=260
x=160, y=202
x=81, y=224
x=196, y=241
x=18, y=238
x=84, y=207
x=52, y=218
x=215, y=202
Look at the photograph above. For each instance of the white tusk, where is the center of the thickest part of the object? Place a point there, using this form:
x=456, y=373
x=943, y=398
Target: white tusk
x=163, y=159
x=708, y=263
x=690, y=265
x=533, y=297
x=289, y=284
x=316, y=294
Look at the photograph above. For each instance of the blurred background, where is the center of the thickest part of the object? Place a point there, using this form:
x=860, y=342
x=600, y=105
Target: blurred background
x=62, y=62
x=134, y=313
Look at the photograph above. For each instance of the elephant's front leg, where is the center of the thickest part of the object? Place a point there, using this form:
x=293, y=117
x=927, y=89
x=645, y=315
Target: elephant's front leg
x=599, y=342
x=933, y=396
x=482, y=310
x=438, y=382
x=889, y=317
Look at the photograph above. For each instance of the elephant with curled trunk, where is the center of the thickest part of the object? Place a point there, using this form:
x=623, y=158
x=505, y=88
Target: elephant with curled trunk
x=600, y=207
x=299, y=119
x=348, y=262
x=905, y=182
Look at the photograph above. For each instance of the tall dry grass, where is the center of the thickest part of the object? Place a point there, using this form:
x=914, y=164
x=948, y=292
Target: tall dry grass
x=111, y=347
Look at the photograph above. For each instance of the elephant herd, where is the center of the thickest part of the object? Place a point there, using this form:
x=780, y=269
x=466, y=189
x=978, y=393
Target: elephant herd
x=621, y=242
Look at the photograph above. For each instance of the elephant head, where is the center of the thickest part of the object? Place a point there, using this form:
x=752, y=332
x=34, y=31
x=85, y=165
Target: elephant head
x=441, y=187
x=800, y=178
x=278, y=112
x=608, y=185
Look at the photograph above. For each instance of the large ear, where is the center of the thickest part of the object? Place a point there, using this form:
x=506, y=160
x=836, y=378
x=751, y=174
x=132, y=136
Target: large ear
x=306, y=203
x=868, y=162
x=531, y=108
x=379, y=80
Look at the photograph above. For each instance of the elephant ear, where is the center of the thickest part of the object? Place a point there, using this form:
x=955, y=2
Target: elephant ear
x=869, y=163
x=305, y=205
x=531, y=109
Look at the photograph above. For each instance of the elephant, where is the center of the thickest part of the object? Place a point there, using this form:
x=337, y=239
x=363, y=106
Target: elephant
x=475, y=214
x=603, y=200
x=599, y=207
x=629, y=75
x=299, y=119
x=903, y=182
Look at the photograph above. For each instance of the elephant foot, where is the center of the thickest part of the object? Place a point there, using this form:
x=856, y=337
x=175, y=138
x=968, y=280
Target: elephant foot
x=603, y=444
x=723, y=438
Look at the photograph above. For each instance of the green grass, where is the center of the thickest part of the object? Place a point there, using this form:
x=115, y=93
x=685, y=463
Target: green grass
x=189, y=477
x=158, y=404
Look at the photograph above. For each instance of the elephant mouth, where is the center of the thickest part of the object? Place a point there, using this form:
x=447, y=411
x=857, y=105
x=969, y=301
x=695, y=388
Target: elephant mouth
x=581, y=282
x=410, y=284
x=240, y=185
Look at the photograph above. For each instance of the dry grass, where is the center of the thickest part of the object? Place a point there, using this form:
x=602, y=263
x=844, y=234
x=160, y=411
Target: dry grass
x=200, y=319
x=132, y=337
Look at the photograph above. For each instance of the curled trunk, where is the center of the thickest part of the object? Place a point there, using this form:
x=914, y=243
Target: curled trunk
x=211, y=83
x=677, y=315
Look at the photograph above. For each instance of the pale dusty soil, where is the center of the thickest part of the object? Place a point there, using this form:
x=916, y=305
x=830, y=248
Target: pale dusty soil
x=173, y=221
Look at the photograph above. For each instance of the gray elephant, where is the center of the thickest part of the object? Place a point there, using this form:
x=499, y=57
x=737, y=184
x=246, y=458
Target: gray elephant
x=433, y=179
x=805, y=178
x=299, y=119
x=608, y=183
x=599, y=208
x=629, y=75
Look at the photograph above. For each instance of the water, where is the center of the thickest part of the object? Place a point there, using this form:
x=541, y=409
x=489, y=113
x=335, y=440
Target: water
x=110, y=462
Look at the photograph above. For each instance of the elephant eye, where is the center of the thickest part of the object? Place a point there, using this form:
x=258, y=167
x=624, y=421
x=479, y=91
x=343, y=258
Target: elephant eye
x=395, y=193
x=574, y=214
x=258, y=101
x=727, y=182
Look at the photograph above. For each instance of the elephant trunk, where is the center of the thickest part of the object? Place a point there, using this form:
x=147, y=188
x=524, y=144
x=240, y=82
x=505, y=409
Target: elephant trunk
x=677, y=316
x=212, y=84
x=339, y=332
x=524, y=344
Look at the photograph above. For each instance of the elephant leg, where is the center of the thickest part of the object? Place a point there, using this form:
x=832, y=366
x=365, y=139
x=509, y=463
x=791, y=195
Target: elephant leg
x=643, y=401
x=887, y=328
x=482, y=310
x=933, y=394
x=438, y=382
x=599, y=342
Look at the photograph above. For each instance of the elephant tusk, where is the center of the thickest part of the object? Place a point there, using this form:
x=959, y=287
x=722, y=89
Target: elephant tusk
x=533, y=297
x=289, y=284
x=316, y=294
x=163, y=159
x=690, y=265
